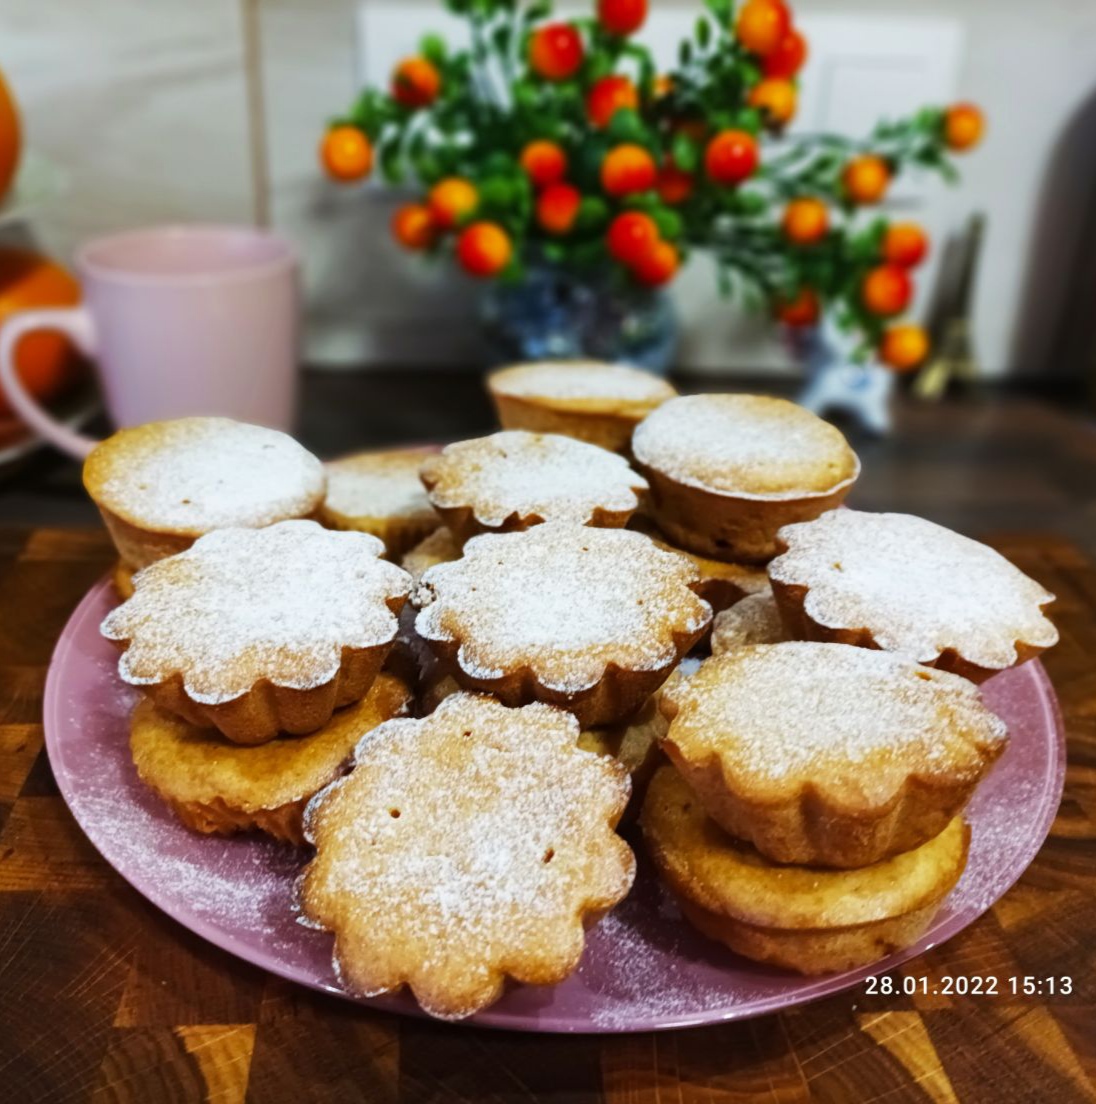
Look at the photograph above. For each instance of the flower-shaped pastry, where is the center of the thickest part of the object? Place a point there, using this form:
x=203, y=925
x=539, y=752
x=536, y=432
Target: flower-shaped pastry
x=906, y=585
x=470, y=846
x=261, y=631
x=593, y=620
x=515, y=480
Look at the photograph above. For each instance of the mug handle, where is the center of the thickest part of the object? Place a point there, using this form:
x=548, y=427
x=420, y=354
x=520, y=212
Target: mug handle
x=75, y=323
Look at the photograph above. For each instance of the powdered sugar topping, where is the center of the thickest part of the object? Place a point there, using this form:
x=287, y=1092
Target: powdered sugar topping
x=531, y=476
x=745, y=445
x=379, y=485
x=564, y=600
x=465, y=846
x=833, y=715
x=581, y=379
x=919, y=588
x=244, y=605
x=193, y=475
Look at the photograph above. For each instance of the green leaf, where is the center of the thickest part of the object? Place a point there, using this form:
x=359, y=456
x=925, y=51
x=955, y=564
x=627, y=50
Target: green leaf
x=703, y=32
x=432, y=47
x=685, y=53
x=593, y=214
x=721, y=9
x=668, y=222
x=685, y=153
x=627, y=126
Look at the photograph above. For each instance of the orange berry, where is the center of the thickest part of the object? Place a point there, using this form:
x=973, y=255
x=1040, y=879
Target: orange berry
x=544, y=163
x=963, y=126
x=776, y=98
x=904, y=347
x=622, y=17
x=556, y=51
x=788, y=58
x=631, y=235
x=608, y=96
x=803, y=310
x=731, y=157
x=674, y=185
x=557, y=208
x=664, y=85
x=657, y=265
x=627, y=169
x=415, y=82
x=413, y=226
x=762, y=25
x=484, y=249
x=451, y=201
x=905, y=244
x=806, y=221
x=865, y=178
x=346, y=154
x=886, y=290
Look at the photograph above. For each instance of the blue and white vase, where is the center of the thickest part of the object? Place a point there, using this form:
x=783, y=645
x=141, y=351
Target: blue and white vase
x=551, y=315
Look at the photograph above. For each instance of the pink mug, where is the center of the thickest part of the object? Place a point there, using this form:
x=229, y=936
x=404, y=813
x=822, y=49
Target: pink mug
x=180, y=320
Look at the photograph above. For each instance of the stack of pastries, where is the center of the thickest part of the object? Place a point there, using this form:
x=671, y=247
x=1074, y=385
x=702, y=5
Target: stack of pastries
x=452, y=676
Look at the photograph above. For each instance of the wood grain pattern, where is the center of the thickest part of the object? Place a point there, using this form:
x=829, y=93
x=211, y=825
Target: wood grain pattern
x=103, y=998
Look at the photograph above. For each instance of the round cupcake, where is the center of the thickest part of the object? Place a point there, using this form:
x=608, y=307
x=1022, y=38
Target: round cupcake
x=381, y=493
x=161, y=486
x=727, y=471
x=588, y=399
x=795, y=917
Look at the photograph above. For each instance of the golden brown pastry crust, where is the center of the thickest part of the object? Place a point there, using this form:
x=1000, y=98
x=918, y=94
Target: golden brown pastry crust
x=611, y=401
x=381, y=493
x=162, y=485
x=261, y=632
x=220, y=788
x=590, y=620
x=799, y=918
x=826, y=755
x=900, y=583
x=514, y=480
x=722, y=584
x=726, y=472
x=468, y=847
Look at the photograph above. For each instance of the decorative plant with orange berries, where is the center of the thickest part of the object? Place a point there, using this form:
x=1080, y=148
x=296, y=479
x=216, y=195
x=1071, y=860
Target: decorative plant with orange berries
x=558, y=142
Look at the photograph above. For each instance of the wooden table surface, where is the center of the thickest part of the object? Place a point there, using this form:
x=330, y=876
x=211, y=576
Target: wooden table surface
x=104, y=998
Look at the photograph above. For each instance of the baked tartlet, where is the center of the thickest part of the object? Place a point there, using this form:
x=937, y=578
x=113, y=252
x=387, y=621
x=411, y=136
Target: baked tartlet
x=722, y=583
x=381, y=493
x=591, y=620
x=827, y=755
x=219, y=788
x=906, y=585
x=463, y=849
x=589, y=399
x=634, y=743
x=798, y=918
x=754, y=620
x=261, y=631
x=162, y=485
x=727, y=471
x=440, y=547
x=514, y=480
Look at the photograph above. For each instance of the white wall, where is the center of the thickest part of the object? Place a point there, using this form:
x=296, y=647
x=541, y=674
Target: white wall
x=146, y=105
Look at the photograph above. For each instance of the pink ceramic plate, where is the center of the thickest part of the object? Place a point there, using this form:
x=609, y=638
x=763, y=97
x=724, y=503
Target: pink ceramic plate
x=644, y=968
